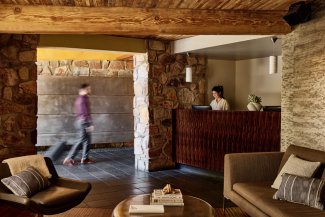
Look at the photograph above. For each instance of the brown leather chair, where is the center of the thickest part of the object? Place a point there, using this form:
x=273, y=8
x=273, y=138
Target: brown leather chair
x=62, y=195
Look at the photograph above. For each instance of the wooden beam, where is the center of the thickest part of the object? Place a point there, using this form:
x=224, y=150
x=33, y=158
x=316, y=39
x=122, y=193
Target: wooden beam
x=138, y=21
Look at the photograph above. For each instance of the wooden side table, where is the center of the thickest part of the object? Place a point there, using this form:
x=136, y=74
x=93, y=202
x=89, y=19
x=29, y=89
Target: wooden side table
x=192, y=207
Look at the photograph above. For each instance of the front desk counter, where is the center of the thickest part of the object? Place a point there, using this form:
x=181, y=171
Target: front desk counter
x=202, y=138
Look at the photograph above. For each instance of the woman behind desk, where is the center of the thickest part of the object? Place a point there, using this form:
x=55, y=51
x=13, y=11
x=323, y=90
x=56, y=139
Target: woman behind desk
x=219, y=103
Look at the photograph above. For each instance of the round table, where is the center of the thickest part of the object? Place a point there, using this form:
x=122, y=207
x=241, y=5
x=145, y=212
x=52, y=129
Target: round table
x=193, y=206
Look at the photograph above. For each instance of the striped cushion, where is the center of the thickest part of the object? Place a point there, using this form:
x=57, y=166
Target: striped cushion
x=26, y=183
x=296, y=166
x=302, y=190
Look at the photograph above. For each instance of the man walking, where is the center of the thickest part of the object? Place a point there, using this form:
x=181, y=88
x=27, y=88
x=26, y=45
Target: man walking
x=84, y=127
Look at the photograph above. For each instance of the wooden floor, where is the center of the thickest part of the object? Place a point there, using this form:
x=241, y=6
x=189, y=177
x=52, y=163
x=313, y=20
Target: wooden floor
x=98, y=212
x=230, y=212
x=85, y=212
x=8, y=211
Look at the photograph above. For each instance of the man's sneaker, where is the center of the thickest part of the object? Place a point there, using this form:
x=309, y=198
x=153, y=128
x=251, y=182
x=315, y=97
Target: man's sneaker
x=68, y=162
x=87, y=161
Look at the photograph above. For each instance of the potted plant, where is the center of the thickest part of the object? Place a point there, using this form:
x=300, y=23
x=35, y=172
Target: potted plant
x=254, y=102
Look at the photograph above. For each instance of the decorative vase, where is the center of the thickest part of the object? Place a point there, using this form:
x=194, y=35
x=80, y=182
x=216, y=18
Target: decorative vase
x=254, y=106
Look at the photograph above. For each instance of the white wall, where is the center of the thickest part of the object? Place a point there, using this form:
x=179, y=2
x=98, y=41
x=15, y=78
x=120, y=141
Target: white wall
x=221, y=72
x=252, y=76
x=243, y=77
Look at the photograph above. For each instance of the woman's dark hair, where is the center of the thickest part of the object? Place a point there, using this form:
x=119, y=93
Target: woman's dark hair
x=84, y=86
x=218, y=89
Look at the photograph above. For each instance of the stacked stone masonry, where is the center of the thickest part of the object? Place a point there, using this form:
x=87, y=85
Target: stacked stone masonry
x=303, y=83
x=114, y=68
x=141, y=112
x=18, y=95
x=164, y=90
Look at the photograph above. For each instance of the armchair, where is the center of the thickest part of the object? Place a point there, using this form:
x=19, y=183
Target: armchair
x=62, y=195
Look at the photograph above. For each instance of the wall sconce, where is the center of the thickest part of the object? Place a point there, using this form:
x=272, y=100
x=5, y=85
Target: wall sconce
x=273, y=60
x=188, y=74
x=188, y=71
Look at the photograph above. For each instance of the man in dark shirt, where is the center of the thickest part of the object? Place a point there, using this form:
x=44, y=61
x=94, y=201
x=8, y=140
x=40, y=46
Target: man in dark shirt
x=84, y=126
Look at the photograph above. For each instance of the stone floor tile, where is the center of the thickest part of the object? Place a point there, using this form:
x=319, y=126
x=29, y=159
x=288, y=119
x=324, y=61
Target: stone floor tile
x=113, y=178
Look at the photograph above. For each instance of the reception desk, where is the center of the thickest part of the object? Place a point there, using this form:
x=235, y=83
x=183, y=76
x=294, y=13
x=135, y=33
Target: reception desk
x=202, y=138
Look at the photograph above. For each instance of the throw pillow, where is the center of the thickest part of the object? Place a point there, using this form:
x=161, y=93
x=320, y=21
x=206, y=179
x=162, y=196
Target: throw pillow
x=296, y=166
x=302, y=190
x=26, y=183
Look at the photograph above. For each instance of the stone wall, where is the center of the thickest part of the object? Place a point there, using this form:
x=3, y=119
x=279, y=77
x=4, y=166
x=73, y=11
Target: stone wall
x=114, y=68
x=111, y=101
x=18, y=95
x=303, y=85
x=141, y=112
x=163, y=88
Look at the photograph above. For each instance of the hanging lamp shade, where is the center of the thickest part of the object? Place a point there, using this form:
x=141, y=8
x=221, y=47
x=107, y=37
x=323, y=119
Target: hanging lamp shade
x=188, y=74
x=273, y=60
x=273, y=65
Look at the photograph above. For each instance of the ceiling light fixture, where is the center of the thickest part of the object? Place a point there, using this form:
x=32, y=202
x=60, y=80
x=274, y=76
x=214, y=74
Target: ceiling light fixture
x=273, y=60
x=188, y=72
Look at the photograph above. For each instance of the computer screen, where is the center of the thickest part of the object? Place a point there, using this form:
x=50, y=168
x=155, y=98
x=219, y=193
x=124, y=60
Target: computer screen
x=272, y=108
x=201, y=107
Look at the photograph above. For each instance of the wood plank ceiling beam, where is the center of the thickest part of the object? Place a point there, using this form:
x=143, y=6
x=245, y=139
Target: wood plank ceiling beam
x=138, y=21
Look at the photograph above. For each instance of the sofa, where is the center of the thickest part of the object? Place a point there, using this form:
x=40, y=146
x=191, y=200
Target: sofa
x=248, y=178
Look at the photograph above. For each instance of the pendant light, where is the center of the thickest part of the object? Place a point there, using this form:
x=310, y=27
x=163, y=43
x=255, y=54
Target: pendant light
x=188, y=72
x=188, y=76
x=273, y=60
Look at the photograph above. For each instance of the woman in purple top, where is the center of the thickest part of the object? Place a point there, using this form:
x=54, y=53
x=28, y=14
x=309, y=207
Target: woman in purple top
x=83, y=125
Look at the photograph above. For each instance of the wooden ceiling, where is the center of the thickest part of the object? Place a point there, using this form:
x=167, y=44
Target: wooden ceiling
x=175, y=4
x=167, y=19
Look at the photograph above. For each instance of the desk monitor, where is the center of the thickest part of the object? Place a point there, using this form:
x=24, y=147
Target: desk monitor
x=201, y=107
x=272, y=108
